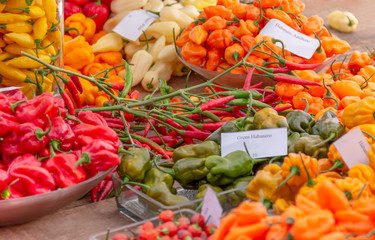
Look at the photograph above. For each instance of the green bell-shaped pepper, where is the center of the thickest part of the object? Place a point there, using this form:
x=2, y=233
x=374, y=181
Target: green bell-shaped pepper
x=316, y=129
x=224, y=170
x=300, y=121
x=236, y=197
x=312, y=145
x=135, y=165
x=269, y=118
x=201, y=150
x=154, y=175
x=329, y=127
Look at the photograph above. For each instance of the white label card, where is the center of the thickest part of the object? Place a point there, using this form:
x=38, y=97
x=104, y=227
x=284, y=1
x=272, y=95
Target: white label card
x=133, y=24
x=260, y=143
x=211, y=208
x=6, y=89
x=294, y=41
x=353, y=148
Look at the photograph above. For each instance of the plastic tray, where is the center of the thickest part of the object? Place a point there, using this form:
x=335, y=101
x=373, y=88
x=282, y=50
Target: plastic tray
x=138, y=206
x=131, y=229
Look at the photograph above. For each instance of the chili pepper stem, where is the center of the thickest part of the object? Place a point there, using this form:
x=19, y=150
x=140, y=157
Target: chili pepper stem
x=127, y=181
x=331, y=136
x=294, y=170
x=39, y=132
x=310, y=181
x=6, y=192
x=168, y=171
x=14, y=105
x=121, y=150
x=337, y=164
x=85, y=158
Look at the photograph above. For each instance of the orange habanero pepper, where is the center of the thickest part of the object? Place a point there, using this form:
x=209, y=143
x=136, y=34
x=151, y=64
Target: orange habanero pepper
x=218, y=10
x=193, y=53
x=359, y=60
x=221, y=38
x=198, y=35
x=234, y=53
x=215, y=23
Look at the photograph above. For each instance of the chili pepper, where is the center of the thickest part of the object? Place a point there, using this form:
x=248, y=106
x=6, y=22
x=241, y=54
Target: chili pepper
x=98, y=11
x=136, y=165
x=364, y=173
x=92, y=118
x=221, y=38
x=223, y=170
x=61, y=135
x=221, y=11
x=15, y=96
x=78, y=59
x=311, y=145
x=85, y=134
x=71, y=8
x=7, y=124
x=77, y=83
x=105, y=190
x=215, y=23
x=201, y=150
x=234, y=53
x=236, y=197
x=247, y=84
x=95, y=191
x=202, y=191
x=198, y=34
x=212, y=104
x=333, y=45
x=300, y=121
x=269, y=118
x=359, y=60
x=245, y=102
x=154, y=175
x=214, y=56
x=68, y=102
x=149, y=143
x=292, y=80
x=73, y=92
x=86, y=26
x=33, y=178
x=38, y=109
x=328, y=127
x=193, y=53
x=345, y=88
x=99, y=155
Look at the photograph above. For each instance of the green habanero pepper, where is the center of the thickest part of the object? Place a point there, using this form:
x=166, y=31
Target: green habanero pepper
x=294, y=137
x=154, y=175
x=312, y=145
x=236, y=197
x=300, y=121
x=201, y=150
x=224, y=170
x=269, y=118
x=135, y=165
x=248, y=123
x=316, y=130
x=202, y=191
x=227, y=127
x=329, y=127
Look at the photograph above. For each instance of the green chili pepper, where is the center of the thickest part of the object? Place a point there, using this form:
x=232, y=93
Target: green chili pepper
x=300, y=121
x=154, y=175
x=128, y=80
x=135, y=165
x=236, y=197
x=243, y=94
x=329, y=127
x=202, y=191
x=201, y=150
x=312, y=145
x=269, y=118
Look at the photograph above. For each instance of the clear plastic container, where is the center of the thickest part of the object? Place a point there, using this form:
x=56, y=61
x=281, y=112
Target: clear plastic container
x=138, y=206
x=130, y=229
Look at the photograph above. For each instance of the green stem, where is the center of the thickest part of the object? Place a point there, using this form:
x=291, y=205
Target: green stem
x=294, y=170
x=337, y=164
x=310, y=181
x=168, y=171
x=39, y=133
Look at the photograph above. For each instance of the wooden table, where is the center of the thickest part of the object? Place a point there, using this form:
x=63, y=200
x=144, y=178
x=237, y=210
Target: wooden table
x=82, y=218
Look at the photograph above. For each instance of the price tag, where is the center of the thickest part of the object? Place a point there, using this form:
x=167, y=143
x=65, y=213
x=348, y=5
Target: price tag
x=6, y=89
x=133, y=24
x=353, y=148
x=260, y=143
x=211, y=208
x=294, y=41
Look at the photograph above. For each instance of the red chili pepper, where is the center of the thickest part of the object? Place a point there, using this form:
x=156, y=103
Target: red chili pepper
x=238, y=114
x=153, y=145
x=166, y=139
x=61, y=166
x=77, y=83
x=293, y=80
x=95, y=191
x=301, y=66
x=106, y=190
x=148, y=127
x=92, y=118
x=116, y=86
x=68, y=103
x=7, y=123
x=25, y=138
x=283, y=108
x=280, y=70
x=79, y=2
x=247, y=83
x=74, y=92
x=61, y=135
x=98, y=11
x=116, y=125
x=86, y=133
x=210, y=126
x=5, y=104
x=194, y=134
x=98, y=155
x=256, y=85
x=15, y=96
x=134, y=95
x=188, y=140
x=212, y=104
x=71, y=8
x=36, y=110
x=270, y=97
x=113, y=120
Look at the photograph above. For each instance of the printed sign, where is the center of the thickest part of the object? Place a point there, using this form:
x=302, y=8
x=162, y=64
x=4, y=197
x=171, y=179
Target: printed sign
x=294, y=41
x=211, y=208
x=134, y=24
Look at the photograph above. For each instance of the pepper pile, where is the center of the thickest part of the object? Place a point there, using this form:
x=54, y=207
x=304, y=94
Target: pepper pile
x=43, y=148
x=171, y=228
x=223, y=34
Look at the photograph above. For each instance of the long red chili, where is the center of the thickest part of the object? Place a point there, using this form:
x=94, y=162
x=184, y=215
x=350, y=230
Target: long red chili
x=77, y=83
x=281, y=70
x=247, y=83
x=166, y=139
x=283, y=108
x=68, y=103
x=150, y=143
x=113, y=120
x=105, y=190
x=301, y=66
x=212, y=104
x=115, y=125
x=238, y=114
x=209, y=126
x=256, y=85
x=74, y=92
x=194, y=134
x=293, y=80
x=269, y=98
x=196, y=116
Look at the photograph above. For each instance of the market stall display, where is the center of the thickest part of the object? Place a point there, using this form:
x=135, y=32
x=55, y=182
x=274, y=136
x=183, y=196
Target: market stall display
x=289, y=146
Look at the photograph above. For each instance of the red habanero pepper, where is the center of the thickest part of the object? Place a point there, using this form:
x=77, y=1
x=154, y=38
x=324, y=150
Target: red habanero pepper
x=92, y=118
x=36, y=110
x=61, y=135
x=15, y=96
x=98, y=156
x=6, y=190
x=98, y=11
x=25, y=138
x=61, y=166
x=5, y=104
x=79, y=2
x=86, y=133
x=71, y=8
x=7, y=123
x=32, y=178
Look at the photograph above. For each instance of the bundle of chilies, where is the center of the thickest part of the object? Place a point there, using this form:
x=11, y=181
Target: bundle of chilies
x=44, y=148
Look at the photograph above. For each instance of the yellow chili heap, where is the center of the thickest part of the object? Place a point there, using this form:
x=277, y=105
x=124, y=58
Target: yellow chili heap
x=31, y=27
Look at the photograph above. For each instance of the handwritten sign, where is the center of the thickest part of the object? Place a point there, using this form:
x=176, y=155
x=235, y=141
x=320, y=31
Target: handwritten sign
x=134, y=24
x=211, y=208
x=353, y=148
x=294, y=41
x=260, y=143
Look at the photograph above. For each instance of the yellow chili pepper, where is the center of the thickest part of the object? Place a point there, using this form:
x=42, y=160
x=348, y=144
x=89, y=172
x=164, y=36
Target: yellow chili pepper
x=26, y=62
x=362, y=112
x=352, y=187
x=370, y=154
x=86, y=26
x=19, y=3
x=55, y=36
x=51, y=50
x=5, y=55
x=23, y=39
x=19, y=27
x=78, y=53
x=16, y=49
x=365, y=174
x=12, y=73
x=6, y=18
x=40, y=29
x=50, y=7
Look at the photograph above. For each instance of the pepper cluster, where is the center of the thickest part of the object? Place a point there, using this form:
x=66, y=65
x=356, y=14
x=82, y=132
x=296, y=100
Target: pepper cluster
x=43, y=148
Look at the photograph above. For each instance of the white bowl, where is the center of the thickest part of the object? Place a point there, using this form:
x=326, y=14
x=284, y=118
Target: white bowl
x=22, y=210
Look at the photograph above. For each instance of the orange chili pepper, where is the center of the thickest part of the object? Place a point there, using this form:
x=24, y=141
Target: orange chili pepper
x=298, y=103
x=221, y=11
x=247, y=42
x=253, y=13
x=288, y=89
x=255, y=60
x=252, y=28
x=340, y=69
x=312, y=24
x=333, y=45
x=306, y=204
x=67, y=38
x=193, y=53
x=250, y=213
x=334, y=236
x=309, y=75
x=324, y=164
x=368, y=73
x=268, y=3
x=293, y=6
x=264, y=49
x=254, y=231
x=94, y=68
x=214, y=58
x=227, y=3
x=183, y=38
x=86, y=26
x=345, y=88
x=317, y=57
x=353, y=221
x=198, y=35
x=347, y=100
x=242, y=30
x=97, y=36
x=221, y=38
x=215, y=23
x=78, y=53
x=280, y=15
x=331, y=198
x=234, y=53
x=359, y=60
x=225, y=225
x=111, y=58
x=239, y=10
x=365, y=206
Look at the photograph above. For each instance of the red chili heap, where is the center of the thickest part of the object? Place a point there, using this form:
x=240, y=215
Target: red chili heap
x=44, y=148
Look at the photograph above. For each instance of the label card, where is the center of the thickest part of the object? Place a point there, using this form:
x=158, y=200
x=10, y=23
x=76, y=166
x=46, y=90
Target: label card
x=260, y=143
x=294, y=41
x=6, y=89
x=133, y=24
x=211, y=208
x=353, y=148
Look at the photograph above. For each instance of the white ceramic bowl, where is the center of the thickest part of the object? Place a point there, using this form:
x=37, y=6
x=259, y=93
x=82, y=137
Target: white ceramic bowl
x=22, y=210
